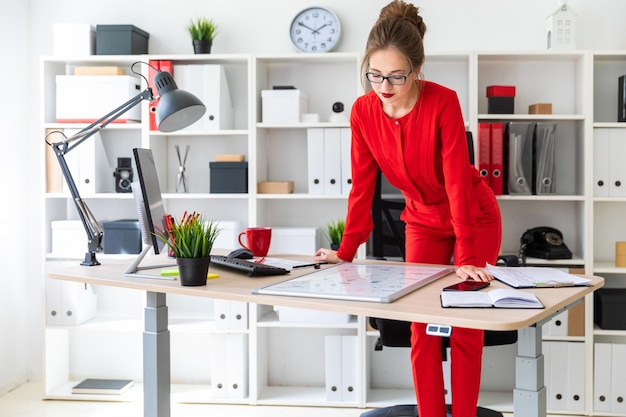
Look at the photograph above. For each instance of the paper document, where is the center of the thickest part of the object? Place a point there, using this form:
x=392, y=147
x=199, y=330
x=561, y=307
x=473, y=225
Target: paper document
x=535, y=277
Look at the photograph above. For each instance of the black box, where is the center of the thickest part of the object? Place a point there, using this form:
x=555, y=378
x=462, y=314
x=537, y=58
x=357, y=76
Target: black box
x=121, y=236
x=609, y=311
x=229, y=177
x=500, y=105
x=121, y=40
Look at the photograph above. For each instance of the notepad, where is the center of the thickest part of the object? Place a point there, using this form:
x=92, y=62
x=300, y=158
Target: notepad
x=102, y=386
x=499, y=298
x=535, y=277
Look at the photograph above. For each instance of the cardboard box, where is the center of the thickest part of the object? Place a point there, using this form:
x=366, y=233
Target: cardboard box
x=540, y=108
x=121, y=236
x=295, y=240
x=229, y=177
x=121, y=40
x=83, y=99
x=230, y=158
x=275, y=187
x=99, y=70
x=283, y=106
x=73, y=39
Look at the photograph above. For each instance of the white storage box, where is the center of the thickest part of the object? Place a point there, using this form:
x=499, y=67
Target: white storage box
x=283, y=106
x=86, y=98
x=74, y=39
x=295, y=240
x=303, y=315
x=68, y=239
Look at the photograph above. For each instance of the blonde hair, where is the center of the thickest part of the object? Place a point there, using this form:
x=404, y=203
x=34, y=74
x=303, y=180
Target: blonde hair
x=399, y=26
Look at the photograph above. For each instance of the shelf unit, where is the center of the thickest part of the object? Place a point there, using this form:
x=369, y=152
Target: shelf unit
x=283, y=358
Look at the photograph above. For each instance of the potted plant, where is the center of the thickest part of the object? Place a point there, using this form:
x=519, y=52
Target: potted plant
x=335, y=233
x=202, y=32
x=191, y=240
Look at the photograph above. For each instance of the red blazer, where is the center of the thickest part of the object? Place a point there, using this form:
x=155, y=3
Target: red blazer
x=424, y=154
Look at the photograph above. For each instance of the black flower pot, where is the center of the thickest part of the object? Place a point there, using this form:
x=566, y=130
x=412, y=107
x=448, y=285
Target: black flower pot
x=202, y=46
x=334, y=246
x=193, y=271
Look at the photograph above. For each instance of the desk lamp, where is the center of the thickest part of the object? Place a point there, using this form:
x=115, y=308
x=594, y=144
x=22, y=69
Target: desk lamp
x=176, y=109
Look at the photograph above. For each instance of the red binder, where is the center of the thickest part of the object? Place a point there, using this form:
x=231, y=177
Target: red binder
x=497, y=155
x=484, y=151
x=155, y=66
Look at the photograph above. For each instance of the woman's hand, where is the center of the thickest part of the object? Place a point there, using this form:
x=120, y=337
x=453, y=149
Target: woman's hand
x=466, y=272
x=327, y=255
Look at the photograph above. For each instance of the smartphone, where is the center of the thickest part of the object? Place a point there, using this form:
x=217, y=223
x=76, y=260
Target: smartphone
x=468, y=285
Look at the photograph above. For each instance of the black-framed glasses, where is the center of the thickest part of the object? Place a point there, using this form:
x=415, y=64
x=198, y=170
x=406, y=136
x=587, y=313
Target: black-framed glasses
x=395, y=79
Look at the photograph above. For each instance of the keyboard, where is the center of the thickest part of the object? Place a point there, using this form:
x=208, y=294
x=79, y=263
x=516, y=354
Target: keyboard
x=250, y=267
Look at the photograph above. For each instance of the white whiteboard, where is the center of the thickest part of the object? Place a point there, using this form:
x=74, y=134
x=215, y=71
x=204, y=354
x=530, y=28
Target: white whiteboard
x=358, y=282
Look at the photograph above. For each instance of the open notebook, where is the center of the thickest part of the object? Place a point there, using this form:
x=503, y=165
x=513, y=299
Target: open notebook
x=535, y=277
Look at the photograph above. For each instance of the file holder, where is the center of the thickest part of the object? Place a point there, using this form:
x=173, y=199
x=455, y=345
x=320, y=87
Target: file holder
x=545, y=159
x=518, y=157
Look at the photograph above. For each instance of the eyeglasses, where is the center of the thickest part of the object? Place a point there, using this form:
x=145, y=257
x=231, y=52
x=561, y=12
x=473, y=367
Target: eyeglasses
x=395, y=79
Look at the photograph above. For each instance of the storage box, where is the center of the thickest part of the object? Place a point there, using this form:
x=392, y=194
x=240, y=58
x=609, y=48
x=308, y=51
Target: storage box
x=68, y=238
x=302, y=315
x=121, y=40
x=295, y=240
x=501, y=91
x=227, y=238
x=84, y=99
x=275, y=187
x=540, y=108
x=500, y=99
x=99, y=70
x=228, y=177
x=121, y=236
x=609, y=310
x=73, y=39
x=283, y=106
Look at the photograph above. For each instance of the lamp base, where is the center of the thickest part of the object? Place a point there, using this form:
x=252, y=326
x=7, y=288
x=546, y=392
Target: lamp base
x=90, y=259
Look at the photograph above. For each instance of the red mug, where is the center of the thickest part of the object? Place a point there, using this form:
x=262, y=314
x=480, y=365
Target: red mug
x=257, y=240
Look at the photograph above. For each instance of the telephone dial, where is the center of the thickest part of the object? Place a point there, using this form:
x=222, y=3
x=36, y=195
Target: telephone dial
x=545, y=243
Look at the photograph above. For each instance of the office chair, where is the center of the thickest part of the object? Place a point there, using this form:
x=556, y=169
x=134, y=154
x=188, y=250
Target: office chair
x=388, y=240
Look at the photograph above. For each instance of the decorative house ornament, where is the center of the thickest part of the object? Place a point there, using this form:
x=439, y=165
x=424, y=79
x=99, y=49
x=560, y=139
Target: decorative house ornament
x=561, y=26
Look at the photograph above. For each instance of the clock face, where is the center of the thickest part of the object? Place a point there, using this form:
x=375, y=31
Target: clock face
x=315, y=29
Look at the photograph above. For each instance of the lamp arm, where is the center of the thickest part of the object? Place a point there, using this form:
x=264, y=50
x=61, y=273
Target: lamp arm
x=92, y=227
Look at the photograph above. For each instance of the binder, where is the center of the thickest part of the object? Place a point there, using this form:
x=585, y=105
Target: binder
x=497, y=157
x=209, y=84
x=237, y=365
x=219, y=371
x=518, y=157
x=332, y=161
x=315, y=160
x=349, y=368
x=346, y=161
x=618, y=378
x=238, y=315
x=617, y=167
x=545, y=159
x=154, y=68
x=576, y=376
x=602, y=377
x=601, y=169
x=333, y=359
x=484, y=151
x=557, y=391
x=221, y=314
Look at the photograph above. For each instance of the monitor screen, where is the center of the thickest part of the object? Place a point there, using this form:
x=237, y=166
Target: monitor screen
x=150, y=208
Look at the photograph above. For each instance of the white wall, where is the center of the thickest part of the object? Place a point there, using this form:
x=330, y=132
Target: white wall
x=247, y=26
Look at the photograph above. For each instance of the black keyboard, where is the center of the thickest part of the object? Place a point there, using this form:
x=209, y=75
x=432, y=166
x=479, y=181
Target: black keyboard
x=250, y=267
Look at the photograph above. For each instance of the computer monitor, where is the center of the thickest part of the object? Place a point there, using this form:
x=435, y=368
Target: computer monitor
x=150, y=210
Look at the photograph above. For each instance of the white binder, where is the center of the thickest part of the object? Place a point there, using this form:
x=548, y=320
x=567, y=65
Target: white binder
x=618, y=378
x=209, y=84
x=221, y=314
x=230, y=315
x=545, y=159
x=333, y=362
x=332, y=161
x=349, y=368
x=602, y=377
x=219, y=368
x=346, y=162
x=576, y=376
x=315, y=160
x=601, y=170
x=558, y=389
x=237, y=365
x=617, y=167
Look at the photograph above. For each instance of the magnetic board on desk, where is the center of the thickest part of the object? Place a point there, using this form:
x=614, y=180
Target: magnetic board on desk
x=358, y=282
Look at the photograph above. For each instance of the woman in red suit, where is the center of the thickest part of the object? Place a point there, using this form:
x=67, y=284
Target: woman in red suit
x=413, y=130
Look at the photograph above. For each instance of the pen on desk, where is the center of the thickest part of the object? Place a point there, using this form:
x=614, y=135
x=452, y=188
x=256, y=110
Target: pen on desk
x=315, y=265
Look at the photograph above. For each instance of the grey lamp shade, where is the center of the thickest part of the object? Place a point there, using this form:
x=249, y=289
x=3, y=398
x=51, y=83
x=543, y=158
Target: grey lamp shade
x=176, y=108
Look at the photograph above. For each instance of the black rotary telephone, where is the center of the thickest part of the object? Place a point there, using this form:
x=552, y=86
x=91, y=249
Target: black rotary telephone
x=545, y=243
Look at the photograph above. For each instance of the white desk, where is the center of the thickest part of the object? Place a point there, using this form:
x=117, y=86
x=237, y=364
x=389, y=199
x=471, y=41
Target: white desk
x=422, y=305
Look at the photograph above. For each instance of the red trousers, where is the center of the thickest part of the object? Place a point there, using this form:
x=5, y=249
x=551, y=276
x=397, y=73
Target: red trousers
x=466, y=345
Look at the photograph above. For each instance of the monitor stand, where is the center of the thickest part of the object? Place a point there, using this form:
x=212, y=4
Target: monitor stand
x=134, y=269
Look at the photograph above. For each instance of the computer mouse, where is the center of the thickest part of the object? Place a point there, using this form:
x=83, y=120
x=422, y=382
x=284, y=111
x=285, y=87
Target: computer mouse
x=241, y=253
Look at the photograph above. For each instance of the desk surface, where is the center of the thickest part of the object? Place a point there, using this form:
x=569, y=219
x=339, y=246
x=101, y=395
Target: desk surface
x=423, y=305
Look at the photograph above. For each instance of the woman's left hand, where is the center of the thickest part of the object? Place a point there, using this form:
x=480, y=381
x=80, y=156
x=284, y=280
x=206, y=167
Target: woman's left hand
x=466, y=272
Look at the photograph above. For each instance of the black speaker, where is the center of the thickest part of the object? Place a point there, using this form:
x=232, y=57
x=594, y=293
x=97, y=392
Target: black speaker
x=123, y=175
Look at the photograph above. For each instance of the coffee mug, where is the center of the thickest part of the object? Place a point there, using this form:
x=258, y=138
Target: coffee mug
x=257, y=240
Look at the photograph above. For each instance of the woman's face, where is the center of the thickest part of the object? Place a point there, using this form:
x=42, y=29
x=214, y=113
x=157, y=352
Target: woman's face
x=391, y=76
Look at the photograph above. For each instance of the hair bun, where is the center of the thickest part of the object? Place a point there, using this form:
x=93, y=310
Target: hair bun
x=399, y=9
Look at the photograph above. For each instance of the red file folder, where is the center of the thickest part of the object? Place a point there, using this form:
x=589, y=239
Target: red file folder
x=155, y=66
x=497, y=155
x=484, y=151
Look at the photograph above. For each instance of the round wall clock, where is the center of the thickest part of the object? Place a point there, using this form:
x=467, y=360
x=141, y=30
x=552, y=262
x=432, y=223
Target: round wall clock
x=315, y=29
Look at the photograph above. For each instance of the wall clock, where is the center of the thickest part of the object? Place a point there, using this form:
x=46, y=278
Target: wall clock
x=314, y=30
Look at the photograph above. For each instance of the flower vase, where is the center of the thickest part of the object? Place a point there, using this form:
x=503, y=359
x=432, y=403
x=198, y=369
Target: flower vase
x=193, y=271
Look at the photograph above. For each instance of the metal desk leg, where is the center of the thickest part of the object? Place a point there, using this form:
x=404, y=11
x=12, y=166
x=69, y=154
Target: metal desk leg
x=529, y=395
x=156, y=358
